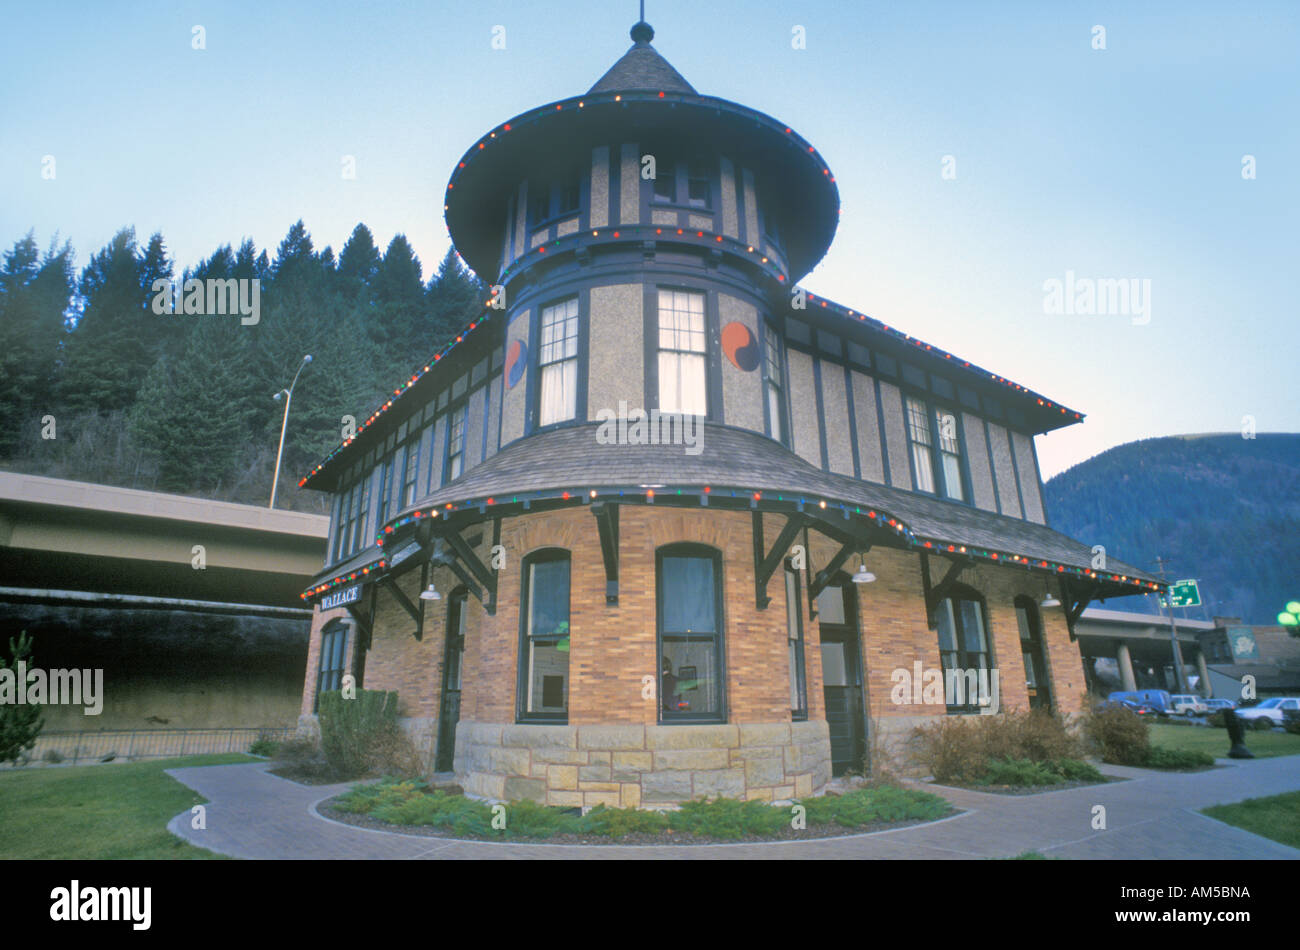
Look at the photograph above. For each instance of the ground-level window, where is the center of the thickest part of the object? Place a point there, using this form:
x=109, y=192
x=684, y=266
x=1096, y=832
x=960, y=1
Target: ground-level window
x=794, y=641
x=964, y=652
x=333, y=649
x=1037, y=683
x=544, y=637
x=690, y=634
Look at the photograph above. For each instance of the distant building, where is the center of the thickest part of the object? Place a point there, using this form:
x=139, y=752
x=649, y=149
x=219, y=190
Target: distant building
x=821, y=517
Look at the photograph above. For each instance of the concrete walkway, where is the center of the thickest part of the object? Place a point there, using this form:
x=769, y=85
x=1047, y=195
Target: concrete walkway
x=1152, y=815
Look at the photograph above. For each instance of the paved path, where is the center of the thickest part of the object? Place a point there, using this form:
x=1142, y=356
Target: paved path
x=253, y=814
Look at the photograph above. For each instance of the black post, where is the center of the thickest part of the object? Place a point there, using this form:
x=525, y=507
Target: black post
x=1236, y=735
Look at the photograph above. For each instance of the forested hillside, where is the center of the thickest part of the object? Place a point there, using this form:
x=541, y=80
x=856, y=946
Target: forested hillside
x=183, y=403
x=1220, y=508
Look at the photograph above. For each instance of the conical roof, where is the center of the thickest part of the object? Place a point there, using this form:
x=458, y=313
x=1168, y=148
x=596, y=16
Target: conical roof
x=642, y=69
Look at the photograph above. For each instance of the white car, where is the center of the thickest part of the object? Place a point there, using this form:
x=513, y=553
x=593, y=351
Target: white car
x=1185, y=704
x=1270, y=709
x=1217, y=704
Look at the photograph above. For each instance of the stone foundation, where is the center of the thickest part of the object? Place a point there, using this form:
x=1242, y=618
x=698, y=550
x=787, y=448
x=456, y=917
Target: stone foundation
x=632, y=766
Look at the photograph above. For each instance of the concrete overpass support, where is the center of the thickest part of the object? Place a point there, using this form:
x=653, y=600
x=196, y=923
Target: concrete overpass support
x=1204, y=672
x=1126, y=679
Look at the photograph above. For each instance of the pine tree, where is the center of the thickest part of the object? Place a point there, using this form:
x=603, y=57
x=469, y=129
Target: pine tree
x=19, y=724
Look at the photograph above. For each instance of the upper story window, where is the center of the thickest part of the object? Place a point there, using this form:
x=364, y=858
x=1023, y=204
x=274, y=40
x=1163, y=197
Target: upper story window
x=685, y=183
x=409, y=488
x=544, y=637
x=936, y=450
x=774, y=382
x=964, y=653
x=550, y=200
x=689, y=582
x=352, y=517
x=390, y=480
x=683, y=360
x=558, y=363
x=456, y=442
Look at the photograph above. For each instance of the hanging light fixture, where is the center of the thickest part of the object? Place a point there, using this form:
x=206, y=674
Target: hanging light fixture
x=1049, y=599
x=863, y=576
x=430, y=594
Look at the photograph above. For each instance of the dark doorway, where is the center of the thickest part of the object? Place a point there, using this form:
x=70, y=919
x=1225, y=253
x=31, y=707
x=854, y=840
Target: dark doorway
x=842, y=676
x=1038, y=681
x=453, y=658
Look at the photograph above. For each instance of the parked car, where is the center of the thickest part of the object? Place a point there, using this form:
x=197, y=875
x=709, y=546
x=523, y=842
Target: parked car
x=1141, y=709
x=1157, y=699
x=1185, y=704
x=1215, y=704
x=1270, y=709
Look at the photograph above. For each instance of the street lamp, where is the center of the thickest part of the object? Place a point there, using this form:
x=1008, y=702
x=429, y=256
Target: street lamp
x=288, y=394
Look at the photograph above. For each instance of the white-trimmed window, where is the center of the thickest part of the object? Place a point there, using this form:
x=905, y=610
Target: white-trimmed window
x=775, y=382
x=558, y=363
x=918, y=432
x=456, y=443
x=683, y=360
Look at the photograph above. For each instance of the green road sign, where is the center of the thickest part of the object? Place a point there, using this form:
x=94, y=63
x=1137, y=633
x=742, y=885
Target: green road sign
x=1184, y=594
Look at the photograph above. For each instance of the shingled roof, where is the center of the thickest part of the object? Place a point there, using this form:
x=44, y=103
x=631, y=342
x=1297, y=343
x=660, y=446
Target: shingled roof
x=642, y=69
x=571, y=459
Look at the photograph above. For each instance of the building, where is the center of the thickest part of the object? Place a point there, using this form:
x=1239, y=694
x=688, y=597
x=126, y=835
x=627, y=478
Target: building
x=639, y=611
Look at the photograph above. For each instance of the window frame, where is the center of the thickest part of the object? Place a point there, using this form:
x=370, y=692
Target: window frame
x=332, y=630
x=556, y=208
x=794, y=613
x=956, y=595
x=932, y=414
x=773, y=341
x=684, y=172
x=523, y=658
x=457, y=411
x=691, y=550
x=705, y=355
x=576, y=359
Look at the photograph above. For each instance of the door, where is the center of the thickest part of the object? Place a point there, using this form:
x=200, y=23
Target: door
x=449, y=710
x=1037, y=681
x=842, y=678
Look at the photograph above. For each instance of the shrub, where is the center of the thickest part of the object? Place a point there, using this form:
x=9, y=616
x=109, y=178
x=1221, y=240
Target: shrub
x=1019, y=772
x=353, y=730
x=1119, y=735
x=263, y=745
x=960, y=749
x=20, y=724
x=619, y=822
x=1262, y=723
x=867, y=806
x=1159, y=757
x=1216, y=719
x=53, y=756
x=728, y=818
x=303, y=757
x=1073, y=770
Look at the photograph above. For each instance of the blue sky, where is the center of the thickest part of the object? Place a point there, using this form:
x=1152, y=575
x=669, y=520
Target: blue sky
x=1116, y=163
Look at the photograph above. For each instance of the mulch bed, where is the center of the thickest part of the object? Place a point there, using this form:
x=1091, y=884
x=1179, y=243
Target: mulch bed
x=812, y=832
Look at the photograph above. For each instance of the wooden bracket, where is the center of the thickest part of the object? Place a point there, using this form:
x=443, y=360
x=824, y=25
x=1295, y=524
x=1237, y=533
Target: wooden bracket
x=766, y=562
x=607, y=526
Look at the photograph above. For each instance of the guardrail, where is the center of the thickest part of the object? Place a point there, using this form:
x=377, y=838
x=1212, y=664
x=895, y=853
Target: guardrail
x=134, y=744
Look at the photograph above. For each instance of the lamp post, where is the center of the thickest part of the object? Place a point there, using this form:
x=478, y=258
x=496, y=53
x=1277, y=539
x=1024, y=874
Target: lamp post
x=288, y=394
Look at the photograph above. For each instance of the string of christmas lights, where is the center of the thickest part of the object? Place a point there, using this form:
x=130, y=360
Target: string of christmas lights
x=647, y=496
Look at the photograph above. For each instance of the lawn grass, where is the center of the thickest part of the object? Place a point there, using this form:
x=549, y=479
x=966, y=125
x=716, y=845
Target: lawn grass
x=1276, y=817
x=99, y=811
x=1215, y=741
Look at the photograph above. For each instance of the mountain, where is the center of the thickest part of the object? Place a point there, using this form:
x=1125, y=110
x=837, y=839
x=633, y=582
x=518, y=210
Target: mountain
x=1220, y=508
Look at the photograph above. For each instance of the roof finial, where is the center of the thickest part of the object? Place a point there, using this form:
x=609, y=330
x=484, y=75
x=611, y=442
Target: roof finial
x=642, y=32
